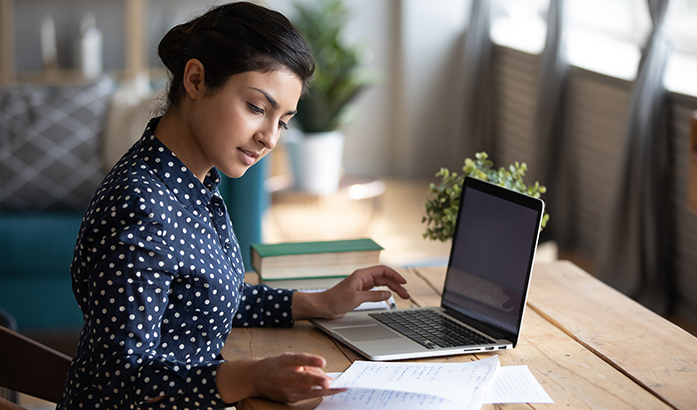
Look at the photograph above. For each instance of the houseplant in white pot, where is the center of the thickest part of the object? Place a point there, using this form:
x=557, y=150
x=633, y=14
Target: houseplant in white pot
x=315, y=147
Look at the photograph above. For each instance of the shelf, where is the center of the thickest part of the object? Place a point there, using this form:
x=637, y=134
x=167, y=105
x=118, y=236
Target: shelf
x=135, y=20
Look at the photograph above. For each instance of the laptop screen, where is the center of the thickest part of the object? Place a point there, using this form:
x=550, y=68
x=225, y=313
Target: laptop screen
x=492, y=254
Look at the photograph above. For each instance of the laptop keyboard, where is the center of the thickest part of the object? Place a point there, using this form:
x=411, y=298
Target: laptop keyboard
x=430, y=329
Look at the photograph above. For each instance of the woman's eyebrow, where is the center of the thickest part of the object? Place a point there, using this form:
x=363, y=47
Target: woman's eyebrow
x=272, y=101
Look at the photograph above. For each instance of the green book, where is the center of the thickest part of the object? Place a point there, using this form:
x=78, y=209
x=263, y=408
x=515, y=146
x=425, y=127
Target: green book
x=320, y=259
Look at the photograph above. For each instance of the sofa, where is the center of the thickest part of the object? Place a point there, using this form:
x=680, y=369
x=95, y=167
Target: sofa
x=56, y=144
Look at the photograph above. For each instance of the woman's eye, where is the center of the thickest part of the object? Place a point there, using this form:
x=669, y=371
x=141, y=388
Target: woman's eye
x=256, y=109
x=283, y=125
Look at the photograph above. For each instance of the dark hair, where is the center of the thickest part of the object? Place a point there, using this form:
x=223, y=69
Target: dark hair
x=232, y=39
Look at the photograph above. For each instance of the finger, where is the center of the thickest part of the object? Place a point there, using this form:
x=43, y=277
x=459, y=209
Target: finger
x=382, y=275
x=329, y=392
x=400, y=290
x=386, y=274
x=395, y=287
x=395, y=282
x=298, y=396
x=391, y=274
x=302, y=360
x=313, y=380
x=377, y=276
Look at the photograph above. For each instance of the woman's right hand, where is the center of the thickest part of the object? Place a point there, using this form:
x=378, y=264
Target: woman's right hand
x=287, y=378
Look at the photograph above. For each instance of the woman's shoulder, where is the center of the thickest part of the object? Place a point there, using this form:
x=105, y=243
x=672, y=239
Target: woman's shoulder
x=131, y=176
x=131, y=186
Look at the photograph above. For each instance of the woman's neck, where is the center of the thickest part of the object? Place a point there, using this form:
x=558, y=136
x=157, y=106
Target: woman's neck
x=176, y=134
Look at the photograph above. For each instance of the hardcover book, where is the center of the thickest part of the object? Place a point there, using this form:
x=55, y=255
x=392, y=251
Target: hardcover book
x=313, y=260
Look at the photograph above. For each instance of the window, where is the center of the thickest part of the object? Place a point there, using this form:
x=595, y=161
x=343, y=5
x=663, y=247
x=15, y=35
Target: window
x=520, y=24
x=629, y=20
x=682, y=26
x=625, y=20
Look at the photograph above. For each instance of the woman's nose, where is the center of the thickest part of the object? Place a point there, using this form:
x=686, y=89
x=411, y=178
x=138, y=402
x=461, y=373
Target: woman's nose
x=268, y=137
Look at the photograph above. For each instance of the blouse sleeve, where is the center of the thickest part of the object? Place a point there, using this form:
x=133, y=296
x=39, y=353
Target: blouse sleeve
x=131, y=272
x=262, y=305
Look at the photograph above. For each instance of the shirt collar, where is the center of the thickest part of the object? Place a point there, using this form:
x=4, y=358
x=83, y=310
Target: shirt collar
x=174, y=174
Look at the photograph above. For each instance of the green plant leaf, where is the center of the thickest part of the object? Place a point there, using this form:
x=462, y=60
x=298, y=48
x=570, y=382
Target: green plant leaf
x=443, y=200
x=339, y=77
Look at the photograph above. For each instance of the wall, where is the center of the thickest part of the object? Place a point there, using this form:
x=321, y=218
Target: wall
x=406, y=125
x=428, y=96
x=372, y=25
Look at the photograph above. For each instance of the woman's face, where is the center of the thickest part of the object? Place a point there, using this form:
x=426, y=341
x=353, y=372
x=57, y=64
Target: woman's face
x=241, y=122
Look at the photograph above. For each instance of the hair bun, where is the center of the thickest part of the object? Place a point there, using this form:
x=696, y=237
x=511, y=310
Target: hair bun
x=173, y=45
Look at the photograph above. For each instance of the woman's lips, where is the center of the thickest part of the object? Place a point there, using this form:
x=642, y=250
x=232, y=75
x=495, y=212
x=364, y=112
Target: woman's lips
x=248, y=157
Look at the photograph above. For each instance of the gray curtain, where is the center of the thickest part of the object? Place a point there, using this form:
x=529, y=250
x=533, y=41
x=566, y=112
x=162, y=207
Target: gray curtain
x=634, y=251
x=479, y=91
x=550, y=149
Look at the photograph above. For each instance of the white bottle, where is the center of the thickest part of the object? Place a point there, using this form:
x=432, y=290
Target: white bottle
x=49, y=53
x=89, y=50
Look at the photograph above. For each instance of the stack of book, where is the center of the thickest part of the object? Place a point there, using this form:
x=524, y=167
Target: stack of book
x=312, y=265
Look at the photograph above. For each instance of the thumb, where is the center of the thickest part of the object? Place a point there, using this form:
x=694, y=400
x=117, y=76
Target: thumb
x=375, y=295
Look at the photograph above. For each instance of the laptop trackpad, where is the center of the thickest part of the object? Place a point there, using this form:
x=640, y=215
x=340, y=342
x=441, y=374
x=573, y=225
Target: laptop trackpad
x=365, y=333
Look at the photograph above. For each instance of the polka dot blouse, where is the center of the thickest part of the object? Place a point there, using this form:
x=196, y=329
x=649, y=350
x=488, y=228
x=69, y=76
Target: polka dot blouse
x=158, y=275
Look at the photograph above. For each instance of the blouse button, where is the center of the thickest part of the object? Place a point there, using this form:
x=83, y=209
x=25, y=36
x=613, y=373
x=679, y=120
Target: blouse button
x=228, y=245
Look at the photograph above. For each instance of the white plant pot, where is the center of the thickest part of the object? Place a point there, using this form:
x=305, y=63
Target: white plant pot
x=315, y=160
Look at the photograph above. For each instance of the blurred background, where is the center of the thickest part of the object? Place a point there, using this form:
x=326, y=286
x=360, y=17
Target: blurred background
x=597, y=97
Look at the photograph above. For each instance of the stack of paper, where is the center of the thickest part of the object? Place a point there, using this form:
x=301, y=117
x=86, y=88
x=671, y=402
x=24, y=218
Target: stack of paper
x=433, y=386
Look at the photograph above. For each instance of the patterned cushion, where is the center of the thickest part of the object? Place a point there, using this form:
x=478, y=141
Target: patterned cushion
x=50, y=145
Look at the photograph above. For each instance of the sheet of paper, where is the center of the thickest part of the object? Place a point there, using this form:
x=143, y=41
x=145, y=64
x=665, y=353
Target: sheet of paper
x=382, y=305
x=371, y=399
x=515, y=384
x=384, y=400
x=459, y=382
x=511, y=384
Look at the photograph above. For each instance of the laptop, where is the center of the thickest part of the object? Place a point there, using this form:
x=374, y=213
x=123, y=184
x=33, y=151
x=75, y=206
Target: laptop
x=485, y=290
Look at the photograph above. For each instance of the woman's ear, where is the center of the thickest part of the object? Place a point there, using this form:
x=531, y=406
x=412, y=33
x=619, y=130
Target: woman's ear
x=194, y=75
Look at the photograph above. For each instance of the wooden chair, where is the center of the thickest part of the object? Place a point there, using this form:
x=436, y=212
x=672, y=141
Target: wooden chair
x=29, y=367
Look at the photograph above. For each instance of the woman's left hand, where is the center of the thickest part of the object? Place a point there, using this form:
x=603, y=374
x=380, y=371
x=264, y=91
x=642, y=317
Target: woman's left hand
x=349, y=293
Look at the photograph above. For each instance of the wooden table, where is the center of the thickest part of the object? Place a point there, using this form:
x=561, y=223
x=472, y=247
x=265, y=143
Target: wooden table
x=589, y=346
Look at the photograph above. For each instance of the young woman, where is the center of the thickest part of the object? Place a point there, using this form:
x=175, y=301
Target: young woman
x=158, y=272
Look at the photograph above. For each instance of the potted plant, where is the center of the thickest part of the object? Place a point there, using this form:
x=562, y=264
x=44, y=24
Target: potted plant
x=315, y=149
x=444, y=202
